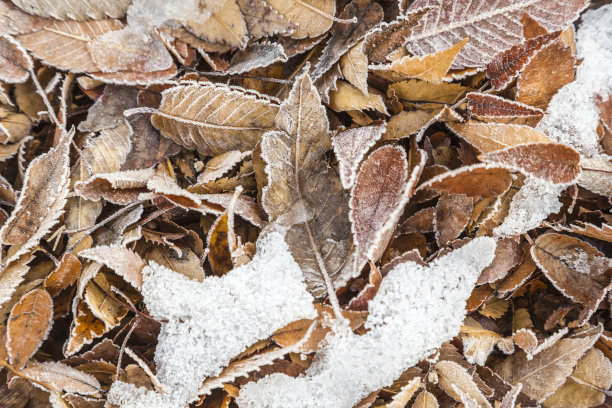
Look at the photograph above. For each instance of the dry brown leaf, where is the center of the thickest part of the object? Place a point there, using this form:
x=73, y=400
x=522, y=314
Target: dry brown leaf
x=508, y=254
x=553, y=162
x=15, y=63
x=518, y=275
x=63, y=378
x=346, y=98
x=575, y=267
x=222, y=243
x=361, y=300
x=102, y=300
x=474, y=181
x=431, y=67
x=219, y=165
x=477, y=342
x=539, y=83
x=344, y=36
x=312, y=17
x=425, y=399
x=596, y=175
x=299, y=181
x=45, y=190
x=28, y=326
x=350, y=147
x=354, y=67
x=387, y=37
x=586, y=385
x=14, y=127
x=214, y=119
x=123, y=261
x=256, y=56
x=451, y=217
x=382, y=189
x=484, y=105
x=407, y=123
x=75, y=9
x=457, y=383
x=542, y=375
x=63, y=44
x=510, y=63
x=405, y=394
x=489, y=137
x=119, y=188
x=447, y=21
x=219, y=22
x=64, y=275
x=262, y=20
x=416, y=91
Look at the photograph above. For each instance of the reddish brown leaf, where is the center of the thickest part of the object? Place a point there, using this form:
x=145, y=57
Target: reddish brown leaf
x=485, y=105
x=508, y=254
x=64, y=275
x=452, y=215
x=474, y=181
x=553, y=162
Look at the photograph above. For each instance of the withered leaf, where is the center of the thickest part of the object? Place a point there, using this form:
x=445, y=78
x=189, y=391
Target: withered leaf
x=262, y=20
x=474, y=181
x=378, y=198
x=354, y=67
x=489, y=137
x=102, y=300
x=553, y=162
x=451, y=217
x=42, y=201
x=575, y=267
x=457, y=383
x=64, y=275
x=28, y=326
x=220, y=22
x=312, y=17
x=64, y=378
x=350, y=147
x=75, y=9
x=15, y=63
x=485, y=105
x=387, y=37
x=443, y=24
x=12, y=275
x=214, y=119
x=510, y=63
x=85, y=329
x=508, y=254
x=543, y=374
x=123, y=261
x=256, y=56
x=346, y=98
x=299, y=182
x=596, y=175
x=221, y=242
x=425, y=399
x=405, y=394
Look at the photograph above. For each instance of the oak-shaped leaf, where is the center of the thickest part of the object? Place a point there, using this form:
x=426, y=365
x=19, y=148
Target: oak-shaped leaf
x=553, y=162
x=44, y=194
x=28, y=326
x=74, y=9
x=542, y=375
x=478, y=180
x=575, y=267
x=213, y=118
x=446, y=21
x=350, y=147
x=302, y=191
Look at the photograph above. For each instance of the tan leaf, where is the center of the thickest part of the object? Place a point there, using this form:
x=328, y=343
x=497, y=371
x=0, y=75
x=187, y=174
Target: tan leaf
x=123, y=261
x=585, y=387
x=542, y=375
x=44, y=194
x=15, y=63
x=346, y=98
x=456, y=381
x=214, y=119
x=407, y=123
x=538, y=83
x=119, y=188
x=596, y=175
x=444, y=23
x=508, y=64
x=477, y=342
x=75, y=9
x=416, y=91
x=508, y=254
x=84, y=330
x=262, y=20
x=405, y=394
x=102, y=300
x=425, y=399
x=64, y=275
x=494, y=308
x=299, y=181
x=553, y=162
x=451, y=217
x=28, y=326
x=187, y=263
x=354, y=67
x=343, y=36
x=474, y=181
x=63, y=44
x=350, y=147
x=221, y=242
x=489, y=137
x=526, y=340
x=381, y=191
x=12, y=275
x=256, y=56
x=63, y=378
x=519, y=274
x=14, y=127
x=575, y=267
x=430, y=67
x=219, y=165
x=218, y=22
x=312, y=17
x=388, y=37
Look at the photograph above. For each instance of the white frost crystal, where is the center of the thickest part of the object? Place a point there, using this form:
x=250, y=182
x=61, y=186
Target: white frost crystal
x=208, y=323
x=416, y=309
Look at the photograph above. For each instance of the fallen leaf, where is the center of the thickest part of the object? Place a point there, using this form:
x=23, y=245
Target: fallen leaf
x=75, y=10
x=64, y=275
x=490, y=137
x=492, y=106
x=474, y=181
x=354, y=67
x=63, y=378
x=15, y=63
x=508, y=254
x=28, y=326
x=312, y=17
x=346, y=98
x=596, y=175
x=123, y=261
x=451, y=217
x=457, y=383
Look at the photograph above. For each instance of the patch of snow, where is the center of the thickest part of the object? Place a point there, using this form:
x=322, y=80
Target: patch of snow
x=573, y=114
x=416, y=309
x=530, y=206
x=208, y=323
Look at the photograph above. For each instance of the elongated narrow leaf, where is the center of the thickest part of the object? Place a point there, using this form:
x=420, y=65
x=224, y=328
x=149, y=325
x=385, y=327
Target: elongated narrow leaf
x=474, y=181
x=75, y=9
x=488, y=137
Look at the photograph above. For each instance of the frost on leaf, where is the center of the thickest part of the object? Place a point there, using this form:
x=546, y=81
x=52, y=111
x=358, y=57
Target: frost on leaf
x=197, y=338
x=15, y=63
x=75, y=9
x=416, y=309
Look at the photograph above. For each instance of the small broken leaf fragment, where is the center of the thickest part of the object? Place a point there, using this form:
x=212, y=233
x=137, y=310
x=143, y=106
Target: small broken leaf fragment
x=28, y=326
